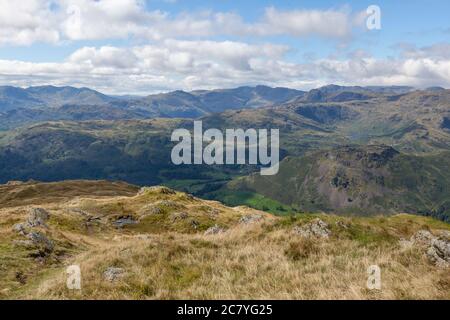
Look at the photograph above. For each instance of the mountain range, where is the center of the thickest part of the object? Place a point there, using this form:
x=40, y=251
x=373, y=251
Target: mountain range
x=67, y=133
x=21, y=106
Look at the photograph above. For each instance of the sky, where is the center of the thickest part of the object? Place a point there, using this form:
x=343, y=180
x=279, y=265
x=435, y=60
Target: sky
x=143, y=47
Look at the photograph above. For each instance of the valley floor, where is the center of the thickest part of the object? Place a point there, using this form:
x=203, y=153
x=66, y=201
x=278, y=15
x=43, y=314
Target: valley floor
x=161, y=244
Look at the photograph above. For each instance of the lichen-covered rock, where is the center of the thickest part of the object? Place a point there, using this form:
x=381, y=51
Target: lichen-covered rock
x=423, y=238
x=444, y=234
x=113, y=274
x=38, y=217
x=314, y=229
x=249, y=219
x=439, y=253
x=20, y=228
x=437, y=249
x=214, y=230
x=41, y=241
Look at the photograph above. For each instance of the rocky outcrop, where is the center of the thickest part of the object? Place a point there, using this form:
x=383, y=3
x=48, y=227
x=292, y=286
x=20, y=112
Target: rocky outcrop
x=40, y=241
x=436, y=248
x=315, y=229
x=249, y=219
x=31, y=230
x=38, y=217
x=156, y=190
x=124, y=221
x=113, y=274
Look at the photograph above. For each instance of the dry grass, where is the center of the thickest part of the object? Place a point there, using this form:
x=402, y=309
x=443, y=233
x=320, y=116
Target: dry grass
x=263, y=260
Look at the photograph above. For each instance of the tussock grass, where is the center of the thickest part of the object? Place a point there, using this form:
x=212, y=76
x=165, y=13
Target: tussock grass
x=164, y=258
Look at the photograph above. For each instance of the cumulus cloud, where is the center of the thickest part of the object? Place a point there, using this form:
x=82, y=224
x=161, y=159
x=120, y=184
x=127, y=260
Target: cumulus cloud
x=175, y=64
x=328, y=23
x=27, y=22
x=176, y=51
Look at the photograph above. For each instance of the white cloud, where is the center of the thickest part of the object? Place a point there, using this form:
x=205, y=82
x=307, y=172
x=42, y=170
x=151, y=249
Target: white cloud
x=105, y=19
x=328, y=23
x=174, y=64
x=51, y=21
x=25, y=22
x=181, y=54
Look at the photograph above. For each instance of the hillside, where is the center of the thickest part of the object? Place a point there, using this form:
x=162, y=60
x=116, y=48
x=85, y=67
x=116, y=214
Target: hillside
x=156, y=243
x=48, y=97
x=375, y=112
x=121, y=144
x=358, y=180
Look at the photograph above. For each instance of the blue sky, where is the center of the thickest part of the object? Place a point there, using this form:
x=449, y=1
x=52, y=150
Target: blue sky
x=136, y=46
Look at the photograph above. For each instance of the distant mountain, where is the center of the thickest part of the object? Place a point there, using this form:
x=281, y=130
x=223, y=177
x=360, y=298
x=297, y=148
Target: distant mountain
x=70, y=112
x=48, y=97
x=24, y=106
x=361, y=180
x=334, y=93
x=181, y=104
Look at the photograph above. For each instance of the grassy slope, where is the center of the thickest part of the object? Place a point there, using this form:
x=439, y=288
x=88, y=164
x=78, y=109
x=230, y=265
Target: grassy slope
x=167, y=258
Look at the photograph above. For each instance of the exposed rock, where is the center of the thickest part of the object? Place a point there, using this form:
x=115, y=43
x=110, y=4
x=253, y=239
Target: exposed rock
x=38, y=217
x=14, y=183
x=124, y=221
x=177, y=216
x=445, y=234
x=113, y=274
x=188, y=196
x=314, y=229
x=249, y=219
x=423, y=238
x=439, y=253
x=21, y=228
x=41, y=241
x=214, y=230
x=437, y=249
x=156, y=190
